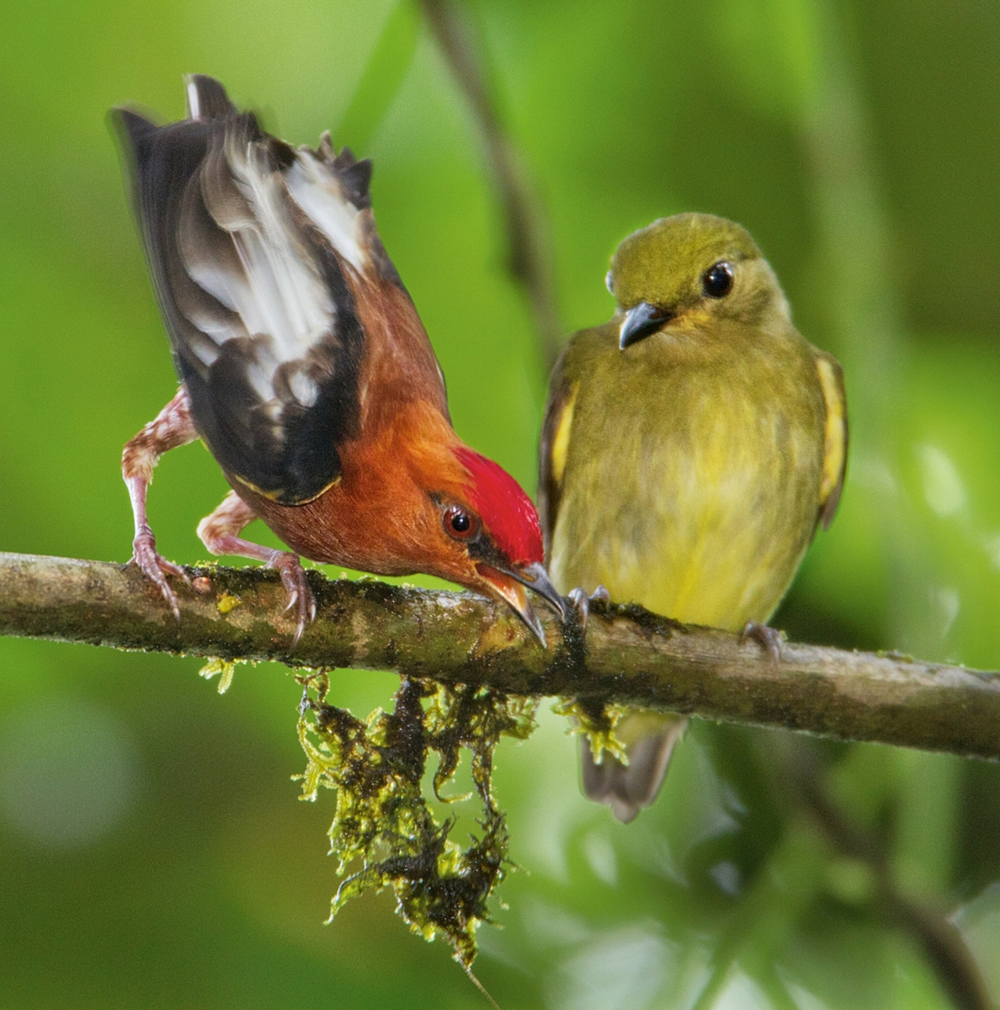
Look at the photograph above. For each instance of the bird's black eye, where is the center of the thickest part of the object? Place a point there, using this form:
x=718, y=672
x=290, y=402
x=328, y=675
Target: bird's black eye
x=460, y=524
x=717, y=280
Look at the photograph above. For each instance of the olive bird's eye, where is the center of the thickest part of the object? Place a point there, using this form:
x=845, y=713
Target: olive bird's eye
x=717, y=280
x=459, y=524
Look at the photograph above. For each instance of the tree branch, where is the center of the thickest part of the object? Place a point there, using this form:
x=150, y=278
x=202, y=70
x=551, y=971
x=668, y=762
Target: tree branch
x=628, y=656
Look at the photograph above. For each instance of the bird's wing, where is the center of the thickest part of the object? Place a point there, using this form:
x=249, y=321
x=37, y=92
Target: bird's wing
x=831, y=379
x=554, y=446
x=250, y=243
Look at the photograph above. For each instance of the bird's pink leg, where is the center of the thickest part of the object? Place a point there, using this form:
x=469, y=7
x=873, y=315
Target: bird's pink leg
x=218, y=533
x=171, y=428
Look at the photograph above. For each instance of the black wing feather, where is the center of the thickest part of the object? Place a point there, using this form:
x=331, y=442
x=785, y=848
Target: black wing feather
x=264, y=330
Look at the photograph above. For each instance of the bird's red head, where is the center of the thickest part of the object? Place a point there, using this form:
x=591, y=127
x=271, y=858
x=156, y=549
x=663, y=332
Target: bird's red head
x=496, y=526
x=506, y=511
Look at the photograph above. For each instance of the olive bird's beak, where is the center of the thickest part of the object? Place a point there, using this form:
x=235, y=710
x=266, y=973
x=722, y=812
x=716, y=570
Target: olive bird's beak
x=641, y=321
x=509, y=584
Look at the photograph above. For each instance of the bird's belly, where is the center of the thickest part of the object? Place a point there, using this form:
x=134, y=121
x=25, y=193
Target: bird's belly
x=717, y=572
x=708, y=537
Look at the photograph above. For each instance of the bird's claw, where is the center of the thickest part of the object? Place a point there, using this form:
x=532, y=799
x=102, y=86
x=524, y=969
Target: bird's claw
x=768, y=638
x=300, y=596
x=157, y=568
x=578, y=598
x=581, y=602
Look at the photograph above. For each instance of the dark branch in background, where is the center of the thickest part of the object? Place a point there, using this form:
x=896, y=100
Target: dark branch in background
x=527, y=253
x=938, y=938
x=628, y=656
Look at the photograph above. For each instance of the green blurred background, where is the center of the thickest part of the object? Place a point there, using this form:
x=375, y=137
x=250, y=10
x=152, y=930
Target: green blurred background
x=152, y=850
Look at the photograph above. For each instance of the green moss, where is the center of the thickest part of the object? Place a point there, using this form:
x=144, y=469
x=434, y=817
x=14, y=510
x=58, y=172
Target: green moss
x=597, y=721
x=383, y=819
x=223, y=669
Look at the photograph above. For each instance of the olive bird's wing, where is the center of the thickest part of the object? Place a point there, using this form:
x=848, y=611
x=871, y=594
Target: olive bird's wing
x=554, y=446
x=831, y=378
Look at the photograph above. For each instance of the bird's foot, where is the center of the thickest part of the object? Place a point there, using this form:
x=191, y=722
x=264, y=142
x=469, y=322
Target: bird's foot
x=768, y=638
x=157, y=568
x=300, y=597
x=581, y=602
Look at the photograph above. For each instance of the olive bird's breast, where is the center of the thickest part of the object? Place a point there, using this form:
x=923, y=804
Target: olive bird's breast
x=694, y=490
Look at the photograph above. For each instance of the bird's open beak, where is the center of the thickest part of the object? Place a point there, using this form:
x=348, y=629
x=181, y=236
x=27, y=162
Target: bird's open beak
x=641, y=321
x=510, y=583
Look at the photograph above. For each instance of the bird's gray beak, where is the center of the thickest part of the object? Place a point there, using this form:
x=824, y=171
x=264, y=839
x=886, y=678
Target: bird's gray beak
x=641, y=321
x=537, y=578
x=509, y=584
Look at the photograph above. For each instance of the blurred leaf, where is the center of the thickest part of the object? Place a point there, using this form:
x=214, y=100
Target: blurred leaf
x=383, y=75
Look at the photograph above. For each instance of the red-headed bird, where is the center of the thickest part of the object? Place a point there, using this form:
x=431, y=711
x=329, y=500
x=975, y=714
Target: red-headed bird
x=305, y=369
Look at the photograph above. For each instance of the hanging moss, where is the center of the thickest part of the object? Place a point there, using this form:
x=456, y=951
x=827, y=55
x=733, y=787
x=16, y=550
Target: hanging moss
x=383, y=820
x=596, y=720
x=221, y=668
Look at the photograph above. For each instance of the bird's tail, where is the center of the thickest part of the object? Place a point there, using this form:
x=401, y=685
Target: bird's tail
x=649, y=741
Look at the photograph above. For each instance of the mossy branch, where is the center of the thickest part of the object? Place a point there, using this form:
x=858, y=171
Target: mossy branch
x=627, y=655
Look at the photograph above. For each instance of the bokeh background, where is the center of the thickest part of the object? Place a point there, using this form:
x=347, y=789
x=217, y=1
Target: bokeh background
x=152, y=849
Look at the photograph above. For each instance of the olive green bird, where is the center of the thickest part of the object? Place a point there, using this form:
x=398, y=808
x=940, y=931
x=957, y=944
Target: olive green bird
x=691, y=446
